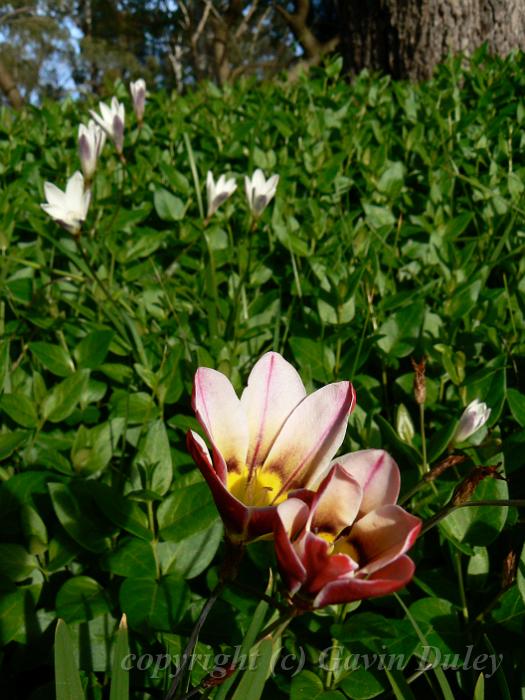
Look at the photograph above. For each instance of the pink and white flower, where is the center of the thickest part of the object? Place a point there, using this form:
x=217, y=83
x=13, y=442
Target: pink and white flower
x=91, y=140
x=347, y=541
x=111, y=120
x=475, y=415
x=260, y=191
x=69, y=208
x=138, y=96
x=273, y=440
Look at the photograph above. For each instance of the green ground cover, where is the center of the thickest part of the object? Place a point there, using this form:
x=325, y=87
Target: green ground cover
x=397, y=233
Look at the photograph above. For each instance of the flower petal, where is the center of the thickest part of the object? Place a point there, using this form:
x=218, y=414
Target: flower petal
x=387, y=580
x=382, y=535
x=378, y=475
x=232, y=511
x=220, y=413
x=274, y=389
x=291, y=518
x=336, y=503
x=321, y=565
x=54, y=196
x=311, y=435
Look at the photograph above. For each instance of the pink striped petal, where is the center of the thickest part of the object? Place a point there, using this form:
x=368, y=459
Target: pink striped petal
x=336, y=504
x=291, y=518
x=321, y=566
x=232, y=511
x=383, y=535
x=220, y=413
x=274, y=389
x=242, y=523
x=310, y=437
x=378, y=475
x=387, y=580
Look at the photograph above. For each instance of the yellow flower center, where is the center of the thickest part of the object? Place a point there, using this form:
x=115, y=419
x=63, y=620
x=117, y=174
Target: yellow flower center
x=259, y=491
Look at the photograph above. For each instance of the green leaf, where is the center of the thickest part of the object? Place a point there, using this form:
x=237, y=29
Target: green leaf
x=192, y=555
x=12, y=613
x=67, y=678
x=167, y=206
x=92, y=350
x=133, y=559
x=62, y=400
x=20, y=408
x=402, y=330
x=155, y=456
x=152, y=604
x=16, y=563
x=11, y=441
x=77, y=513
x=254, y=677
x=54, y=358
x=479, y=526
x=119, y=674
x=517, y=405
x=120, y=510
x=306, y=686
x=81, y=599
x=186, y=511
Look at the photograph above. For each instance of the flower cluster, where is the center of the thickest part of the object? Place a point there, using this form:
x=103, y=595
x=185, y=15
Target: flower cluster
x=259, y=191
x=69, y=208
x=339, y=534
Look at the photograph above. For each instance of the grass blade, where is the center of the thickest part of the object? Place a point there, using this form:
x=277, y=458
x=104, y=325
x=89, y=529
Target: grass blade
x=67, y=677
x=119, y=674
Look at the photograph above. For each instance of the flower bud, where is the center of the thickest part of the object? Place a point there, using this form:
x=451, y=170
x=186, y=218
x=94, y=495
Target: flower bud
x=472, y=419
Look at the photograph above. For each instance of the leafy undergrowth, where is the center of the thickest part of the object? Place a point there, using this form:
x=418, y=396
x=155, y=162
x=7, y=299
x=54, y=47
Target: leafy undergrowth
x=396, y=234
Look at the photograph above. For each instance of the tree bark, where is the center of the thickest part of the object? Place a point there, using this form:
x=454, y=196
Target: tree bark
x=408, y=38
x=9, y=87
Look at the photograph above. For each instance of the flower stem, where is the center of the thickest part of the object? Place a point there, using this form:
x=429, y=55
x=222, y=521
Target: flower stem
x=434, y=520
x=423, y=436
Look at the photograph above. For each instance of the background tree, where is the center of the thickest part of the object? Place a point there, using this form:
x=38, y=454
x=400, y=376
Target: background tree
x=408, y=38
x=52, y=47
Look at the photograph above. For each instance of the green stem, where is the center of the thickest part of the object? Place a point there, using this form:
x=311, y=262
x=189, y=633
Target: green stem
x=515, y=502
x=423, y=437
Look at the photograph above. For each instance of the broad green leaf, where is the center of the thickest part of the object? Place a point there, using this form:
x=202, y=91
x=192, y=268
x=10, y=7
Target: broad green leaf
x=402, y=329
x=134, y=558
x=191, y=556
x=54, y=358
x=20, y=408
x=76, y=510
x=11, y=441
x=80, y=599
x=62, y=400
x=92, y=350
x=186, y=511
x=154, y=456
x=16, y=563
x=517, y=405
x=12, y=613
x=155, y=605
x=168, y=206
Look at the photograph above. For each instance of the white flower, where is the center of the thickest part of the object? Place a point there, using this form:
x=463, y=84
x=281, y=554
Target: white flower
x=91, y=140
x=68, y=208
x=260, y=191
x=111, y=119
x=473, y=417
x=138, y=94
x=218, y=192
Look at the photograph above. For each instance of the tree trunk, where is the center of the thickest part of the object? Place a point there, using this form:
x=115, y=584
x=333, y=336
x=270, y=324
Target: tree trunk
x=9, y=88
x=408, y=38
